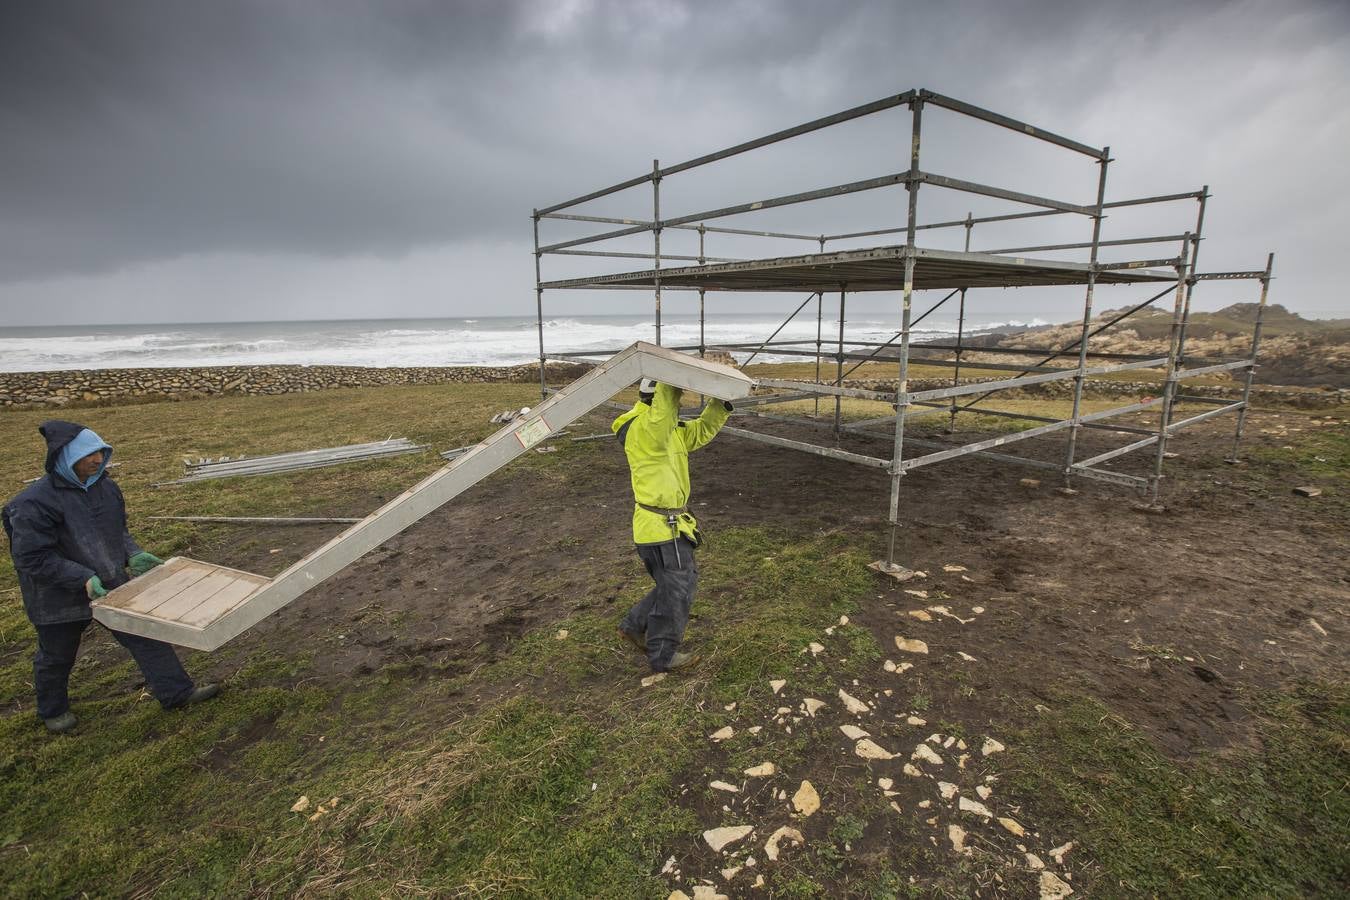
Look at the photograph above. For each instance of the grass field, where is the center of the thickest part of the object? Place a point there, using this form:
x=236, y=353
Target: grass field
x=564, y=778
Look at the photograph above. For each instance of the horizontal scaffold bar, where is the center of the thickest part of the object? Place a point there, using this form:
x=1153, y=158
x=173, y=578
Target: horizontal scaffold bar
x=1129, y=481
x=976, y=112
x=1221, y=367
x=930, y=458
x=711, y=229
x=971, y=187
x=1210, y=414
x=1122, y=242
x=1229, y=276
x=616, y=254
x=980, y=386
x=1118, y=451
x=830, y=452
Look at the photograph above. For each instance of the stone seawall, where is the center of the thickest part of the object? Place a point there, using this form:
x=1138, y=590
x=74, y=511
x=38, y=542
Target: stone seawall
x=22, y=390
x=91, y=387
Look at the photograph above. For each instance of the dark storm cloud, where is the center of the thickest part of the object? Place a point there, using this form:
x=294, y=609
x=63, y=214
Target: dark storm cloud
x=138, y=134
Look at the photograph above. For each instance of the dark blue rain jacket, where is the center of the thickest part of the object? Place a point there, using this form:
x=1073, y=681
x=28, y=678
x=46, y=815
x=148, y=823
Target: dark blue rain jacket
x=61, y=534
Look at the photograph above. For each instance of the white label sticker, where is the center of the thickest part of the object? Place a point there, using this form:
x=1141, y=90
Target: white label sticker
x=532, y=433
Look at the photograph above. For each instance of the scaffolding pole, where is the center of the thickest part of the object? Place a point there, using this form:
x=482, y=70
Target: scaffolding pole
x=1256, y=347
x=1074, y=423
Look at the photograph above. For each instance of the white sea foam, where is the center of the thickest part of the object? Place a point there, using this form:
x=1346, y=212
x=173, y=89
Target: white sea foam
x=430, y=342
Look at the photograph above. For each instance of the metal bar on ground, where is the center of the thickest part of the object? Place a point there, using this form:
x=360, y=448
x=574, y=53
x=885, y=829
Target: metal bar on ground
x=258, y=520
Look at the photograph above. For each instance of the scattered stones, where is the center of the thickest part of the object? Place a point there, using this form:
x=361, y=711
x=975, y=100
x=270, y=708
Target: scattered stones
x=1308, y=491
x=1317, y=627
x=562, y=634
x=957, y=835
x=853, y=732
x=786, y=833
x=763, y=770
x=1034, y=862
x=951, y=568
x=717, y=838
x=1052, y=888
x=853, y=704
x=966, y=656
x=1030, y=482
x=1012, y=826
x=732, y=872
x=843, y=620
x=922, y=595
x=947, y=790
x=778, y=684
x=811, y=705
x=910, y=645
x=755, y=729
x=912, y=771
x=885, y=783
x=1058, y=853
x=816, y=649
x=991, y=747
x=896, y=806
x=977, y=609
x=925, y=753
x=669, y=867
x=806, y=801
x=724, y=786
x=300, y=805
x=961, y=760
x=965, y=804
x=916, y=721
x=653, y=679
x=921, y=614
x=984, y=791
x=724, y=733
x=946, y=745
x=730, y=707
x=678, y=895
x=867, y=749
x=708, y=892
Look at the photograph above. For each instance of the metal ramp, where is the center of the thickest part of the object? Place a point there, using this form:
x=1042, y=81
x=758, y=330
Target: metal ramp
x=193, y=619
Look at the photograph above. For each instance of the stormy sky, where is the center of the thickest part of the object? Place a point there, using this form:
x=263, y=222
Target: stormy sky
x=235, y=161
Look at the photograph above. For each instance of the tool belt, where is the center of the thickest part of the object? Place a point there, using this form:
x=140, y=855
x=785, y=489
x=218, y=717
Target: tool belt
x=663, y=511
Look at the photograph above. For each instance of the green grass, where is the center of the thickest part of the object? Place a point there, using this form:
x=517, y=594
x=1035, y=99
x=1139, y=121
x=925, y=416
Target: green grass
x=497, y=800
x=1269, y=823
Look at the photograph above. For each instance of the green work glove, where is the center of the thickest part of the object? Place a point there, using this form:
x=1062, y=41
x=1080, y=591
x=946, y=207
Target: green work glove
x=95, y=589
x=143, y=562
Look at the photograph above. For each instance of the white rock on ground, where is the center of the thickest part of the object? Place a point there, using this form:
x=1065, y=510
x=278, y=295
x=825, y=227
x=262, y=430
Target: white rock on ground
x=708, y=892
x=853, y=732
x=912, y=771
x=1035, y=862
x=951, y=568
x=915, y=721
x=853, y=704
x=947, y=790
x=843, y=620
x=763, y=770
x=921, y=614
x=724, y=786
x=755, y=729
x=669, y=866
x=806, y=801
x=1058, y=852
x=816, y=649
x=965, y=804
x=1052, y=888
x=730, y=873
x=653, y=679
x=300, y=805
x=922, y=595
x=678, y=895
x=885, y=783
x=778, y=684
x=957, y=835
x=867, y=749
x=991, y=747
x=984, y=791
x=725, y=733
x=811, y=705
x=562, y=634
x=888, y=665
x=910, y=645
x=717, y=838
x=772, y=845
x=925, y=753
x=966, y=656
x=1012, y=826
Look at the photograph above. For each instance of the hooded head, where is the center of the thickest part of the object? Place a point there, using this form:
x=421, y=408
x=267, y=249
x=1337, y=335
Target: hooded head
x=67, y=444
x=647, y=390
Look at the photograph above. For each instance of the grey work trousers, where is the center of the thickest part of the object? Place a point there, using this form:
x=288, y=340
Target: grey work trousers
x=664, y=613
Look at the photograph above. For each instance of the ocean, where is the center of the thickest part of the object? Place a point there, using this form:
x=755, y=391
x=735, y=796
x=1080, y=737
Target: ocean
x=485, y=341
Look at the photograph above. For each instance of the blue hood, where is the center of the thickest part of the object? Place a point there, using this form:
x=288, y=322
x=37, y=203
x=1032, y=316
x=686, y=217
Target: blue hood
x=81, y=445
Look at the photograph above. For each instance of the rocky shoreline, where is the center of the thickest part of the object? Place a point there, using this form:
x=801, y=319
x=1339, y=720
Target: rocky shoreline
x=95, y=387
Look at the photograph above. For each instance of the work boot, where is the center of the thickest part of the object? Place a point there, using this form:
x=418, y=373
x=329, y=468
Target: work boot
x=637, y=641
x=62, y=723
x=682, y=661
x=200, y=694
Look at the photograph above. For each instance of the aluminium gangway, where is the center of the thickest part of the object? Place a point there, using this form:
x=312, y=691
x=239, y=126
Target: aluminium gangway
x=202, y=606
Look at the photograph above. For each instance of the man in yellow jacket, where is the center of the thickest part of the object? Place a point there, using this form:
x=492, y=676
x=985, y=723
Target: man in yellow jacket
x=658, y=445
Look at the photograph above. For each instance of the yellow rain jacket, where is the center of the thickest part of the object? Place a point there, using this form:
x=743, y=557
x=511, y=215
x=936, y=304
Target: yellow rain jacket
x=658, y=445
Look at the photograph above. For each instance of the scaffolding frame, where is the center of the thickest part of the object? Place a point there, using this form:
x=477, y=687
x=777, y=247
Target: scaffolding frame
x=908, y=268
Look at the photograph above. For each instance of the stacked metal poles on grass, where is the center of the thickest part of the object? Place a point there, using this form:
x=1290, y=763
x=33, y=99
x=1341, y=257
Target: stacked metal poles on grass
x=297, y=461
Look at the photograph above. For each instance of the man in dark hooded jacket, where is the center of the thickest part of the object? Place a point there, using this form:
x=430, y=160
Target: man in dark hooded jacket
x=69, y=541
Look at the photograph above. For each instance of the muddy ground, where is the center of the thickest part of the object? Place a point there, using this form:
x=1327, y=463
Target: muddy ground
x=1163, y=614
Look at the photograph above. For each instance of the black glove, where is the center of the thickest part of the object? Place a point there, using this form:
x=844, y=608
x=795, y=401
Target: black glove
x=726, y=404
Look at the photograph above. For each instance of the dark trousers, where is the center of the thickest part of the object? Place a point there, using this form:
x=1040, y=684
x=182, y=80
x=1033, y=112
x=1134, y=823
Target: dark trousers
x=57, y=645
x=664, y=613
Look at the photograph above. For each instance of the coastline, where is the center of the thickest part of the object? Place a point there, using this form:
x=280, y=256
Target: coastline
x=98, y=387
